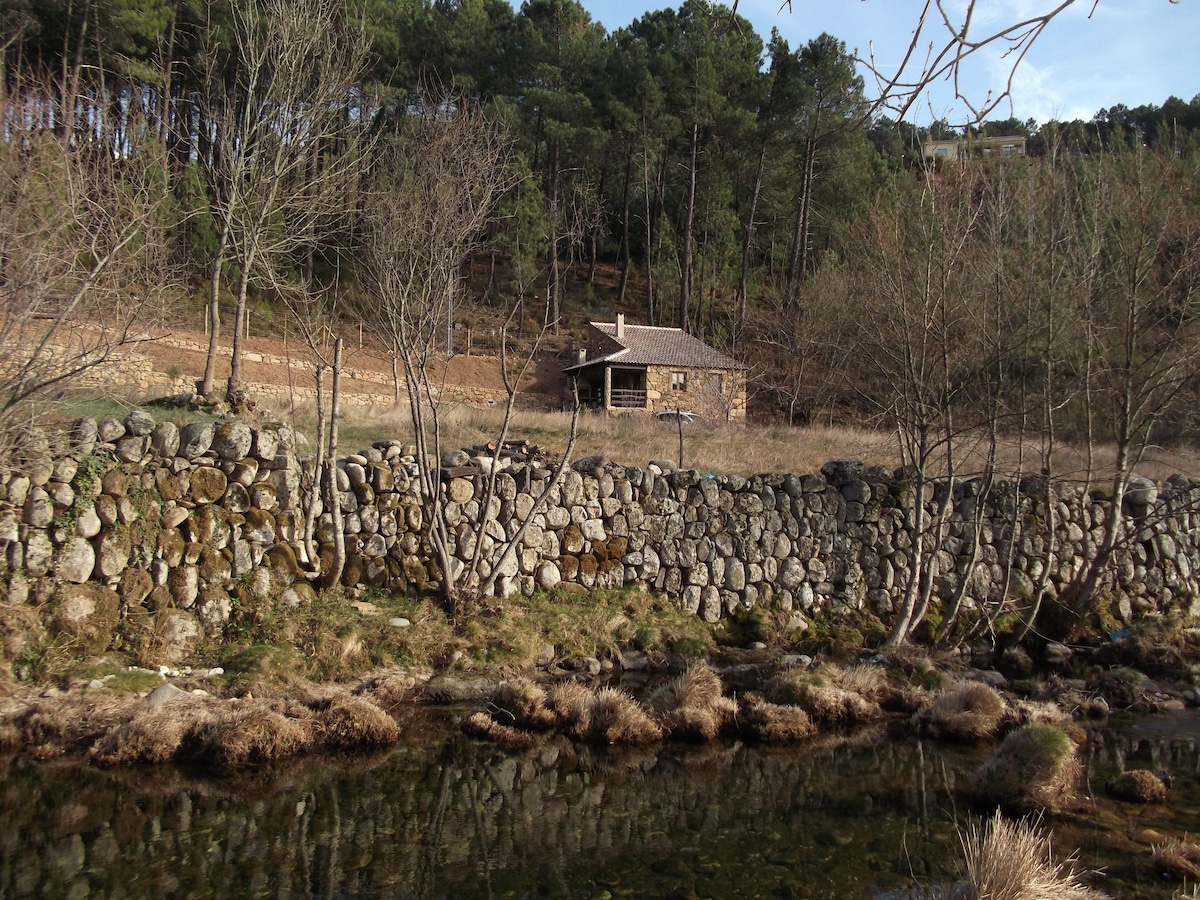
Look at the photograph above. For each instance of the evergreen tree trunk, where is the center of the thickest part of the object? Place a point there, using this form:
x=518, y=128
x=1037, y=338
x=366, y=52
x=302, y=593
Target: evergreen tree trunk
x=685, y=252
x=739, y=327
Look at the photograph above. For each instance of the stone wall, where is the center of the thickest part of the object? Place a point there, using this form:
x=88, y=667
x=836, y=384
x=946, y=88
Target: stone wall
x=138, y=519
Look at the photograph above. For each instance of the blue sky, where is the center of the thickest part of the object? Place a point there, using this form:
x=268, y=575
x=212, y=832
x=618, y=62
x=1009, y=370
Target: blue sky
x=1125, y=51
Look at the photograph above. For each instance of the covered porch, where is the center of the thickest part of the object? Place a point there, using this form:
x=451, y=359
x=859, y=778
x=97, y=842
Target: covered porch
x=613, y=387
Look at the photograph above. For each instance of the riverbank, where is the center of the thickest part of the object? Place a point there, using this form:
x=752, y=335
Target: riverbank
x=264, y=707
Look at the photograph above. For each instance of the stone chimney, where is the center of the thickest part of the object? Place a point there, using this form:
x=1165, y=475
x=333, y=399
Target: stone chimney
x=580, y=355
x=620, y=326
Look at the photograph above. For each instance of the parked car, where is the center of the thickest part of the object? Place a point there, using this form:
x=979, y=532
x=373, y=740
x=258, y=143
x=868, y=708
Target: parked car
x=672, y=416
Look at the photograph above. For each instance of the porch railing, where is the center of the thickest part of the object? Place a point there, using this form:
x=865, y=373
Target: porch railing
x=623, y=398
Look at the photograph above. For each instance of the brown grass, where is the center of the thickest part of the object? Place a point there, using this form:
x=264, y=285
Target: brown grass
x=571, y=704
x=392, y=689
x=968, y=711
x=350, y=722
x=254, y=731
x=523, y=703
x=483, y=727
x=1013, y=861
x=1178, y=859
x=1035, y=768
x=1137, y=786
x=607, y=716
x=821, y=695
x=617, y=719
x=773, y=723
x=692, y=707
x=154, y=736
x=51, y=726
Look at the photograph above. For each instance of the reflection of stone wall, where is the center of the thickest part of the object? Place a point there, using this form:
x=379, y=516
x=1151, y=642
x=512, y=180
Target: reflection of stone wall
x=446, y=818
x=170, y=526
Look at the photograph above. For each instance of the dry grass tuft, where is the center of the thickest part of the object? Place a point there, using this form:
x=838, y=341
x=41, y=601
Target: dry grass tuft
x=1029, y=712
x=605, y=716
x=1035, y=768
x=774, y=723
x=821, y=695
x=524, y=703
x=1137, y=786
x=51, y=726
x=483, y=727
x=571, y=704
x=154, y=736
x=349, y=721
x=1178, y=859
x=254, y=731
x=699, y=688
x=691, y=707
x=1013, y=861
x=866, y=681
x=617, y=719
x=967, y=711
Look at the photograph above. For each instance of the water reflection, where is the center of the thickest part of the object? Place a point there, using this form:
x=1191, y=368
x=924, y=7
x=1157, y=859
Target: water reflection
x=446, y=817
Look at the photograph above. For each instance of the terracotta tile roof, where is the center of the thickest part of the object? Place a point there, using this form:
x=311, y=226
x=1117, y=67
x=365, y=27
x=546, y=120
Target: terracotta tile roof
x=651, y=345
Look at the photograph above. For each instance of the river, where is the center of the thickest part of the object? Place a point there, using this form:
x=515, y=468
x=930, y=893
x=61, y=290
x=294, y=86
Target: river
x=864, y=815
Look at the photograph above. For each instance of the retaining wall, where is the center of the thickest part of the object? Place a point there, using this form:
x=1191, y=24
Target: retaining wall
x=137, y=518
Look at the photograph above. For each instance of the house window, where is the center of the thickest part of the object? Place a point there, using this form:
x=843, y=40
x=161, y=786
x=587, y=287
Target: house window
x=679, y=381
x=716, y=383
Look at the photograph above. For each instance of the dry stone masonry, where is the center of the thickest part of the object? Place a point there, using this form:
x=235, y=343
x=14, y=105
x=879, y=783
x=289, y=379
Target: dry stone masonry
x=159, y=528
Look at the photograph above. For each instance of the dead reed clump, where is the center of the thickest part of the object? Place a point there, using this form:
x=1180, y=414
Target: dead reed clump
x=820, y=694
x=52, y=726
x=251, y=732
x=618, y=719
x=773, y=723
x=571, y=704
x=692, y=706
x=1013, y=861
x=875, y=685
x=1035, y=768
x=523, y=703
x=967, y=711
x=154, y=736
x=348, y=721
x=483, y=727
x=1178, y=859
x=1137, y=786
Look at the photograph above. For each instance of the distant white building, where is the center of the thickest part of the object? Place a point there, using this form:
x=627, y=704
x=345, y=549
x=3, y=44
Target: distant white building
x=975, y=146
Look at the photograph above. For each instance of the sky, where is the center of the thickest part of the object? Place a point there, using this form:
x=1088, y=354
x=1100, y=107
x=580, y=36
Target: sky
x=1121, y=51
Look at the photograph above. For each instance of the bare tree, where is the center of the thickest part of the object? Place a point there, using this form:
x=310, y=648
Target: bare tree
x=946, y=36
x=1137, y=286
x=917, y=337
x=282, y=120
x=83, y=254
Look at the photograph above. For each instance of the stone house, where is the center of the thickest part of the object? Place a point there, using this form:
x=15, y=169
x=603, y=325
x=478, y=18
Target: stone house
x=645, y=367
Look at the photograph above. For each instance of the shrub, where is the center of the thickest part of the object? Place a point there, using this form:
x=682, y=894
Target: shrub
x=1137, y=786
x=1035, y=768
